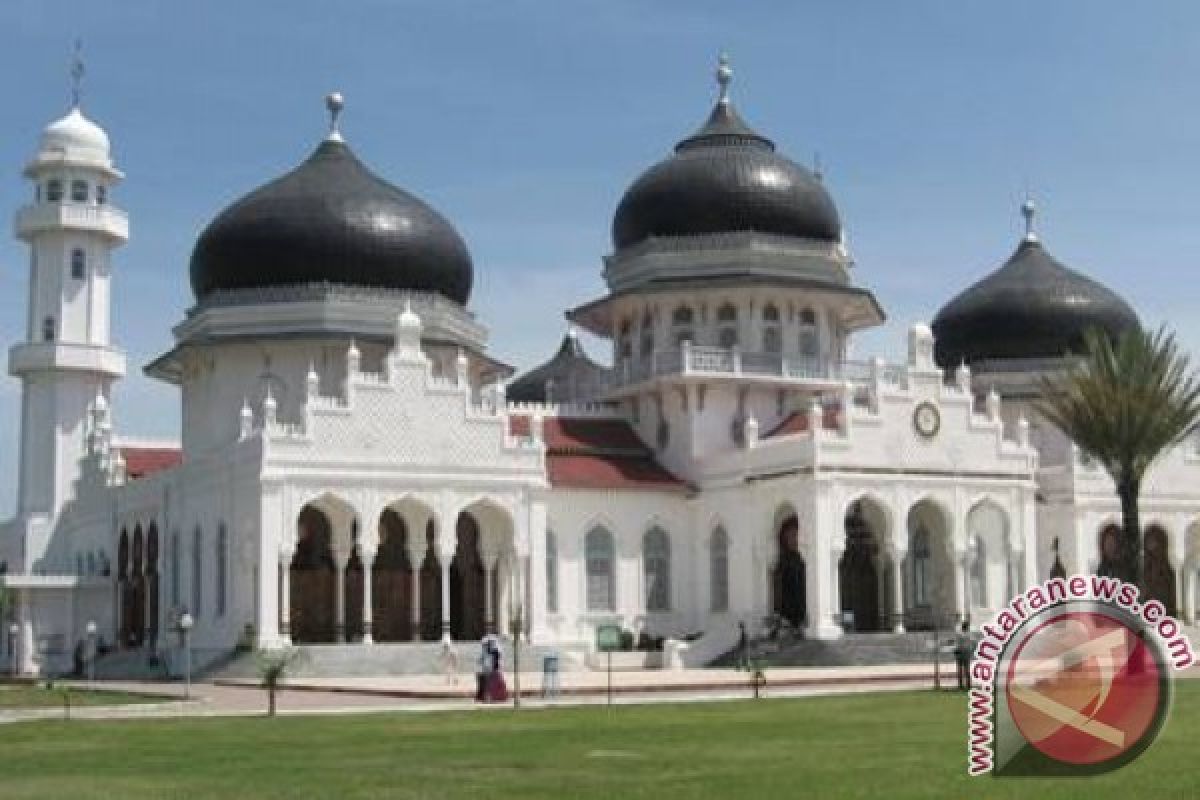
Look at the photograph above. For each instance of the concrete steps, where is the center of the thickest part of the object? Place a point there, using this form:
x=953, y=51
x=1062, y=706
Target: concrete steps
x=852, y=649
x=406, y=658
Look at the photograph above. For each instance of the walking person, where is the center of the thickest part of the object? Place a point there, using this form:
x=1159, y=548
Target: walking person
x=483, y=671
x=962, y=655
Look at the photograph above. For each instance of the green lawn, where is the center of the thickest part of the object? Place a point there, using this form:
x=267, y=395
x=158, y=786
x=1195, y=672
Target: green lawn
x=883, y=745
x=30, y=696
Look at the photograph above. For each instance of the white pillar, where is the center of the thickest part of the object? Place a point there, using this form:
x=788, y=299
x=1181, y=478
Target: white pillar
x=339, y=601
x=368, y=602
x=1189, y=594
x=445, y=565
x=897, y=561
x=285, y=597
x=417, y=546
x=961, y=595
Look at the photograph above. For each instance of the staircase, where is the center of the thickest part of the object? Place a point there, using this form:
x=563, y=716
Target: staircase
x=407, y=658
x=852, y=649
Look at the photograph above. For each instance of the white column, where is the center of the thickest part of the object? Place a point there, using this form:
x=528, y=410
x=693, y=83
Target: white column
x=285, y=597
x=1189, y=597
x=961, y=596
x=26, y=665
x=897, y=561
x=489, y=585
x=416, y=546
x=339, y=601
x=368, y=602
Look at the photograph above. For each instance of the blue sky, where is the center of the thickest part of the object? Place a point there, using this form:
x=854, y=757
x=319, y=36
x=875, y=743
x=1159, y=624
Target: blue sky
x=524, y=121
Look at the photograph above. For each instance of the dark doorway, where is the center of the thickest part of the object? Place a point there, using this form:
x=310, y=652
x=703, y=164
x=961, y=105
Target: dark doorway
x=858, y=575
x=313, y=585
x=391, y=581
x=790, y=592
x=1156, y=565
x=467, y=600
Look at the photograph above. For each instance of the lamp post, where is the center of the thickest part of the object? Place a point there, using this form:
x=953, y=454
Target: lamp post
x=185, y=629
x=14, y=630
x=91, y=651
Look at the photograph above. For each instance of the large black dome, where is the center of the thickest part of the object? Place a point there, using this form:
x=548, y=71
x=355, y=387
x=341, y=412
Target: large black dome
x=725, y=178
x=331, y=220
x=1031, y=307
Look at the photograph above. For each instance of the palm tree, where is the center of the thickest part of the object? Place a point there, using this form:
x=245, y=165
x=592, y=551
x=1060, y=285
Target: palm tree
x=272, y=667
x=1124, y=404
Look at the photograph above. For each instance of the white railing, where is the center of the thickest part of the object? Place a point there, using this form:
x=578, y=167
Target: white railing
x=73, y=215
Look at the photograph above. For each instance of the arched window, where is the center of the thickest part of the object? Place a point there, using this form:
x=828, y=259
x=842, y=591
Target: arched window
x=197, y=571
x=809, y=342
x=772, y=335
x=979, y=574
x=79, y=191
x=551, y=572
x=601, y=575
x=54, y=191
x=647, y=344
x=49, y=330
x=718, y=570
x=656, y=560
x=175, y=576
x=921, y=556
x=683, y=321
x=222, y=561
x=78, y=263
x=727, y=332
x=101, y=194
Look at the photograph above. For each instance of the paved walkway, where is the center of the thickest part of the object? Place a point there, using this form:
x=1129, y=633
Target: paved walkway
x=417, y=693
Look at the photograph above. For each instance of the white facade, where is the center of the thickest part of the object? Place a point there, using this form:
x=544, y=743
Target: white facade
x=839, y=494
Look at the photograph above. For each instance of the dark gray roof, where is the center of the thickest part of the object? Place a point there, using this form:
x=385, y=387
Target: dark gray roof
x=331, y=220
x=1031, y=307
x=570, y=376
x=725, y=178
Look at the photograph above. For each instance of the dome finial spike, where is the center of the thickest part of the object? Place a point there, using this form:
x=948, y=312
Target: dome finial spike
x=334, y=103
x=1029, y=212
x=724, y=77
x=76, y=73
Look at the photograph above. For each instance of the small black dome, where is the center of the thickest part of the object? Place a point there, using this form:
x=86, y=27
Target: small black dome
x=724, y=179
x=331, y=220
x=569, y=376
x=1032, y=307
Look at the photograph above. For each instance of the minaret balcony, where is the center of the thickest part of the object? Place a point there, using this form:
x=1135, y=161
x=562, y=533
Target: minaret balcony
x=692, y=363
x=106, y=220
x=64, y=356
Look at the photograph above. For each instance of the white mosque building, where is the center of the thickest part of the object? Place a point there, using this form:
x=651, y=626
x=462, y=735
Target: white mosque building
x=357, y=473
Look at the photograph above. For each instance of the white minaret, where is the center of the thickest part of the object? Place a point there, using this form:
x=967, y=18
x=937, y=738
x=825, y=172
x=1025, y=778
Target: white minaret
x=67, y=359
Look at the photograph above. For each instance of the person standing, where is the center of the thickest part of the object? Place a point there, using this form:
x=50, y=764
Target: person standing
x=743, y=647
x=962, y=655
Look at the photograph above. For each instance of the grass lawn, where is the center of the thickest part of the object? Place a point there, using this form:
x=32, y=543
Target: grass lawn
x=31, y=696
x=884, y=745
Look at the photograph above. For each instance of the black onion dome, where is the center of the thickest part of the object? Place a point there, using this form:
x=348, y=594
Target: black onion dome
x=725, y=178
x=569, y=376
x=1032, y=307
x=331, y=220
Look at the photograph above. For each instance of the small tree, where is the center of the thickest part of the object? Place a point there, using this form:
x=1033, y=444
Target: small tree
x=272, y=668
x=1123, y=404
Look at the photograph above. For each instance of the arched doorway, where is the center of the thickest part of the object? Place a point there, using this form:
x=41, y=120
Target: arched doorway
x=858, y=571
x=1156, y=566
x=788, y=581
x=929, y=590
x=1110, y=551
x=152, y=583
x=467, y=600
x=391, y=581
x=137, y=580
x=313, y=583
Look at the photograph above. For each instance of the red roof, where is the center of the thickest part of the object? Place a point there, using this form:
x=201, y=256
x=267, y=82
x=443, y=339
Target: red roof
x=591, y=453
x=143, y=461
x=797, y=422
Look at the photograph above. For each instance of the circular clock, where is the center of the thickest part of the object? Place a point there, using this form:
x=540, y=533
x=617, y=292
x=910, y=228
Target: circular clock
x=927, y=420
